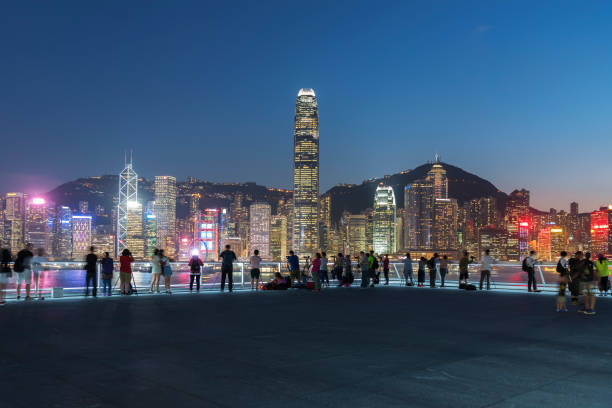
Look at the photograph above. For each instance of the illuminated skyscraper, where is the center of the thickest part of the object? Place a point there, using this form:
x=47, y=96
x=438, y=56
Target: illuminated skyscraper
x=353, y=233
x=81, y=236
x=437, y=176
x=324, y=221
x=37, y=229
x=165, y=213
x=551, y=241
x=278, y=237
x=445, y=224
x=306, y=173
x=150, y=229
x=384, y=219
x=259, y=228
x=600, y=228
x=62, y=234
x=128, y=194
x=14, y=219
x=419, y=213
x=206, y=234
x=517, y=223
x=135, y=240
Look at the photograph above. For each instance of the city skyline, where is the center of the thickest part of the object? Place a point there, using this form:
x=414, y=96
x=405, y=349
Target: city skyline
x=491, y=88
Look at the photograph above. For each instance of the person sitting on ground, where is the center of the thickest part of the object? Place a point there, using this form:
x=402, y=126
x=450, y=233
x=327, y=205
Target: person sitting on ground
x=278, y=283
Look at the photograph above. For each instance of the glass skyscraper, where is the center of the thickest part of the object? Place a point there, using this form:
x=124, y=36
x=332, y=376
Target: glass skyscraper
x=384, y=220
x=306, y=173
x=165, y=213
x=259, y=228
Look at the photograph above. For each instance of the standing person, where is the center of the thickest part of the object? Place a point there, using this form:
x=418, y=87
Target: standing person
x=125, y=271
x=364, y=265
x=431, y=265
x=385, y=264
x=324, y=269
x=37, y=264
x=603, y=270
x=294, y=267
x=576, y=264
x=373, y=272
x=408, y=270
x=108, y=266
x=464, y=273
x=156, y=270
x=347, y=278
x=5, y=273
x=443, y=270
x=316, y=269
x=195, y=266
x=338, y=267
x=166, y=272
x=91, y=275
x=421, y=273
x=563, y=271
x=255, y=272
x=529, y=263
x=23, y=269
x=588, y=281
x=227, y=267
x=485, y=269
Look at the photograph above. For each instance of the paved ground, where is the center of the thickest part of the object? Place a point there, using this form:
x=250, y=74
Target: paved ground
x=387, y=347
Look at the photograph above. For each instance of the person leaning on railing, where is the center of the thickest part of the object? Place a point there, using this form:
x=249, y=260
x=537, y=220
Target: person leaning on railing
x=5, y=272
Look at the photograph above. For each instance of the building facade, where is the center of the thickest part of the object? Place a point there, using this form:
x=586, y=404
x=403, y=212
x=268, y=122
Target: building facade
x=259, y=228
x=165, y=213
x=384, y=221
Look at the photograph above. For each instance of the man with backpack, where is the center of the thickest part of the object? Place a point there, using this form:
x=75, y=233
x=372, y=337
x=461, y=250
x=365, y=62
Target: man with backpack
x=431, y=265
x=576, y=264
x=195, y=266
x=528, y=266
x=23, y=269
x=588, y=282
x=227, y=267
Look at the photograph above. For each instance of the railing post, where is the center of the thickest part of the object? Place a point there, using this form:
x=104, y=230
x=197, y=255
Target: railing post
x=541, y=275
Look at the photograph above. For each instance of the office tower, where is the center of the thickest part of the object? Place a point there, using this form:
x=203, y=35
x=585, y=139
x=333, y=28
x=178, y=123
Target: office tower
x=103, y=240
x=418, y=206
x=488, y=211
x=517, y=224
x=84, y=207
x=353, y=233
x=384, y=221
x=278, y=237
x=259, y=228
x=306, y=174
x=194, y=204
x=135, y=239
x=206, y=234
x=14, y=218
x=493, y=239
x=150, y=229
x=437, y=176
x=165, y=213
x=445, y=224
x=128, y=196
x=551, y=241
x=324, y=221
x=81, y=236
x=224, y=223
x=399, y=228
x=37, y=229
x=600, y=228
x=239, y=213
x=62, y=234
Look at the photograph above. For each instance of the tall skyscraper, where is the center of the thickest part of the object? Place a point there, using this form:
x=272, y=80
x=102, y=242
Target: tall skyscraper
x=517, y=223
x=62, y=233
x=278, y=237
x=445, y=224
x=165, y=213
x=135, y=239
x=306, y=173
x=14, y=219
x=259, y=228
x=206, y=234
x=437, y=176
x=353, y=233
x=418, y=225
x=384, y=220
x=37, y=228
x=81, y=236
x=150, y=229
x=128, y=195
x=600, y=228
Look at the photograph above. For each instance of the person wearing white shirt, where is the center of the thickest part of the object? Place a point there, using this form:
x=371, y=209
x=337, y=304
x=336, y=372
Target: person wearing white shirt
x=37, y=264
x=530, y=262
x=485, y=269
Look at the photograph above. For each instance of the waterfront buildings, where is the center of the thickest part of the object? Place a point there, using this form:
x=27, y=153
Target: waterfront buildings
x=259, y=228
x=165, y=213
x=384, y=221
x=81, y=236
x=128, y=195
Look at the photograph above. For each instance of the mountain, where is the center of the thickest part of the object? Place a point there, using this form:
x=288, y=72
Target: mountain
x=462, y=186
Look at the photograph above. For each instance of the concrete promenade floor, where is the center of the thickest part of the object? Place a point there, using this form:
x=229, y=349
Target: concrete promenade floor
x=383, y=347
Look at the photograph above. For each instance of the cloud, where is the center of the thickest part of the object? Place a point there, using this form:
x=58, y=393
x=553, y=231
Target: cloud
x=483, y=28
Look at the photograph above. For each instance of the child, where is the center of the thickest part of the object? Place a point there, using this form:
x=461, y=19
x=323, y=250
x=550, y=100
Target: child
x=422, y=264
x=563, y=270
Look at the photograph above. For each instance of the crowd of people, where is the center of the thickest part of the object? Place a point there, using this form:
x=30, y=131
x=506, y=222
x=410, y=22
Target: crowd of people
x=580, y=274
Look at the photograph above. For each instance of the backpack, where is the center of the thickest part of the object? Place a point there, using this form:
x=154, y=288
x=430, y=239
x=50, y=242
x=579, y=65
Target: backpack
x=375, y=264
x=560, y=269
x=524, y=266
x=431, y=264
x=18, y=266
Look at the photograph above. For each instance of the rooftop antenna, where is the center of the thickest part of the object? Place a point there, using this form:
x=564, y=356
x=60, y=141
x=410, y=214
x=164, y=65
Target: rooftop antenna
x=437, y=157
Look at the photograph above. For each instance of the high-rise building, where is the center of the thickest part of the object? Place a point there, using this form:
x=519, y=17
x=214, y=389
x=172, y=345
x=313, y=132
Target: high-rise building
x=278, y=237
x=62, y=234
x=165, y=213
x=306, y=173
x=128, y=196
x=517, y=224
x=81, y=236
x=418, y=208
x=14, y=220
x=551, y=241
x=384, y=221
x=353, y=233
x=150, y=229
x=37, y=228
x=259, y=228
x=135, y=239
x=445, y=224
x=206, y=239
x=493, y=239
x=600, y=231
x=437, y=176
x=324, y=221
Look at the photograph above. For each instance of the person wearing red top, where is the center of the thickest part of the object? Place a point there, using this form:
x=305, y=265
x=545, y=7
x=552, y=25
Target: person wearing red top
x=316, y=267
x=125, y=271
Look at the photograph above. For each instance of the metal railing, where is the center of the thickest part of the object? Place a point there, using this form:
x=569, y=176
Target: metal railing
x=70, y=276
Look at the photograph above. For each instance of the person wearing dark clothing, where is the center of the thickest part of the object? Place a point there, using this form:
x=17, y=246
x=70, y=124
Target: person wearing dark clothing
x=385, y=263
x=576, y=264
x=421, y=273
x=227, y=267
x=294, y=267
x=195, y=265
x=107, y=273
x=5, y=273
x=91, y=267
x=23, y=270
x=431, y=265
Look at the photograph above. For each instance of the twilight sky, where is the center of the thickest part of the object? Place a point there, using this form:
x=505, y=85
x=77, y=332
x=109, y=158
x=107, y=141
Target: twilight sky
x=518, y=92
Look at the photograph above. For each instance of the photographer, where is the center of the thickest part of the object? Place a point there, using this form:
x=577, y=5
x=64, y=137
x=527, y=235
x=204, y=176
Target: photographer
x=125, y=271
x=294, y=267
x=464, y=274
